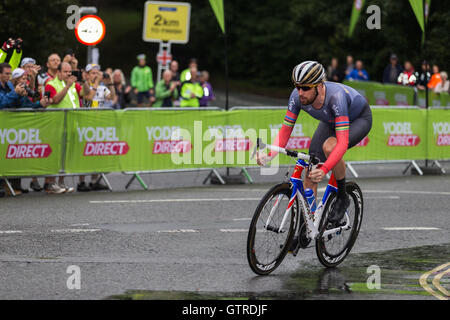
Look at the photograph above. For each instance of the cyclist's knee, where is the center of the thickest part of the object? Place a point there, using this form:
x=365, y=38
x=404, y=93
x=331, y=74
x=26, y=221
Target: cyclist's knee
x=329, y=145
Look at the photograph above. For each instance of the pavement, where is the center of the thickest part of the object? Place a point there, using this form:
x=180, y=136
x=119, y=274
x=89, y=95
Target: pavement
x=182, y=239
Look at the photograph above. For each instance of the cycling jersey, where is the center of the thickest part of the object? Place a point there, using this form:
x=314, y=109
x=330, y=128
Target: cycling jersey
x=342, y=105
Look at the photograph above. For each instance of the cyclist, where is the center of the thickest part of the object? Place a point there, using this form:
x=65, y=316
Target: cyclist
x=345, y=119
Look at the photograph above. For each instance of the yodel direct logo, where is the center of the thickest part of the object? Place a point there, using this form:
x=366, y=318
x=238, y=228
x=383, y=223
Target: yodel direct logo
x=442, y=131
x=400, y=134
x=24, y=144
x=167, y=140
x=102, y=141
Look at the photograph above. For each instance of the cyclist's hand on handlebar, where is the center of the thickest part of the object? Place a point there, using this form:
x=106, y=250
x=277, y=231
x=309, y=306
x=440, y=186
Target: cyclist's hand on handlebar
x=316, y=175
x=262, y=158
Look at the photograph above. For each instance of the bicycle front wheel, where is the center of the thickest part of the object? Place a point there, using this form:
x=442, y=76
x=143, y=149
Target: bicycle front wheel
x=268, y=241
x=334, y=248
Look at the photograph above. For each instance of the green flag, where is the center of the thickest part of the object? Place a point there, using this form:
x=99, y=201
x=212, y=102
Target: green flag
x=217, y=6
x=357, y=7
x=417, y=6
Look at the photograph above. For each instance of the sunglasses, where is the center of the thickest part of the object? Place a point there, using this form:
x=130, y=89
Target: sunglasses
x=306, y=88
x=303, y=88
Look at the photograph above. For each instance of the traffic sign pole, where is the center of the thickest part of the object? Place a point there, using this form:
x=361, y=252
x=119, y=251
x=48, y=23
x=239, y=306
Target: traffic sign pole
x=164, y=57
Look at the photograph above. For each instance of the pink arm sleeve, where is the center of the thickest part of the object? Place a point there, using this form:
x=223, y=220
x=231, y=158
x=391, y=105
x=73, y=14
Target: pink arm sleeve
x=284, y=134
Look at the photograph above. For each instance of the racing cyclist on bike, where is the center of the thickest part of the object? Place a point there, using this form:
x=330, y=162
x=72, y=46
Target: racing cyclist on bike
x=345, y=119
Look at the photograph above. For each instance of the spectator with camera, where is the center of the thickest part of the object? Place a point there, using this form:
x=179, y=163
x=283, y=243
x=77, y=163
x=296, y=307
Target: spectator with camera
x=101, y=84
x=53, y=62
x=15, y=93
x=64, y=92
x=14, y=46
x=18, y=97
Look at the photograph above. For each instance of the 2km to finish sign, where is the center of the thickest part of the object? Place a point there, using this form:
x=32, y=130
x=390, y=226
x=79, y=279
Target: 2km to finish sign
x=166, y=21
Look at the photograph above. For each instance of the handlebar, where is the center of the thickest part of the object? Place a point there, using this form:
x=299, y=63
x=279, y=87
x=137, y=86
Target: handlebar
x=291, y=153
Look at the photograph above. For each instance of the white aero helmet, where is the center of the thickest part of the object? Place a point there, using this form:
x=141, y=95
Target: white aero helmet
x=308, y=73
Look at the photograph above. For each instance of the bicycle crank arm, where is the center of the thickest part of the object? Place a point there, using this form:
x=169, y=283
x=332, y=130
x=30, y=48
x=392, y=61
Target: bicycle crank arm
x=274, y=229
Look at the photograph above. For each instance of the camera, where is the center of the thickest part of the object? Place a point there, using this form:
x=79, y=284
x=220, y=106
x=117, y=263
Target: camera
x=18, y=44
x=78, y=74
x=32, y=93
x=105, y=75
x=47, y=94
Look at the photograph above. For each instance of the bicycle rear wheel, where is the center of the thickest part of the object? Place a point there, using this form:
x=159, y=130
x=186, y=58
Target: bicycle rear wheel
x=266, y=244
x=334, y=248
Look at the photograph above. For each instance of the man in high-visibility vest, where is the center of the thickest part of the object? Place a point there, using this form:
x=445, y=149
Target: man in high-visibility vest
x=191, y=91
x=186, y=74
x=64, y=92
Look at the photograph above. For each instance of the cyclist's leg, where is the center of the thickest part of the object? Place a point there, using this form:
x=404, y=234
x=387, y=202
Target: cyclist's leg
x=359, y=129
x=339, y=168
x=323, y=132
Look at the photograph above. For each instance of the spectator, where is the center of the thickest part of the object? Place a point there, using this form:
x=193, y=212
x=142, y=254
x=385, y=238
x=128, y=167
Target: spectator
x=70, y=58
x=334, y=73
x=14, y=93
x=392, y=70
x=107, y=79
x=19, y=78
x=186, y=74
x=65, y=92
x=165, y=91
x=103, y=87
x=350, y=65
x=101, y=90
x=176, y=79
x=175, y=74
x=444, y=85
x=16, y=47
x=142, y=82
x=208, y=93
x=122, y=98
x=435, y=78
x=358, y=74
x=423, y=77
x=191, y=90
x=407, y=77
x=32, y=70
x=53, y=61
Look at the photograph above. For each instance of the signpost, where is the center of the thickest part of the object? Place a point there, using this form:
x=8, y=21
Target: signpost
x=90, y=30
x=166, y=23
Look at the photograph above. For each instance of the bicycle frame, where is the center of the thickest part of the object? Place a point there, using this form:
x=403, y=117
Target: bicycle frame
x=312, y=220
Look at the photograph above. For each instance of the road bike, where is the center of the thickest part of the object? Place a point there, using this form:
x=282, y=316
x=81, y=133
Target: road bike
x=284, y=213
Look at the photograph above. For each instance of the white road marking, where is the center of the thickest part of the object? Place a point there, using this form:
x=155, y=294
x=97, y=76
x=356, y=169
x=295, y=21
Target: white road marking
x=385, y=197
x=175, y=200
x=233, y=230
x=407, y=192
x=409, y=228
x=79, y=224
x=74, y=230
x=10, y=231
x=242, y=219
x=178, y=231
